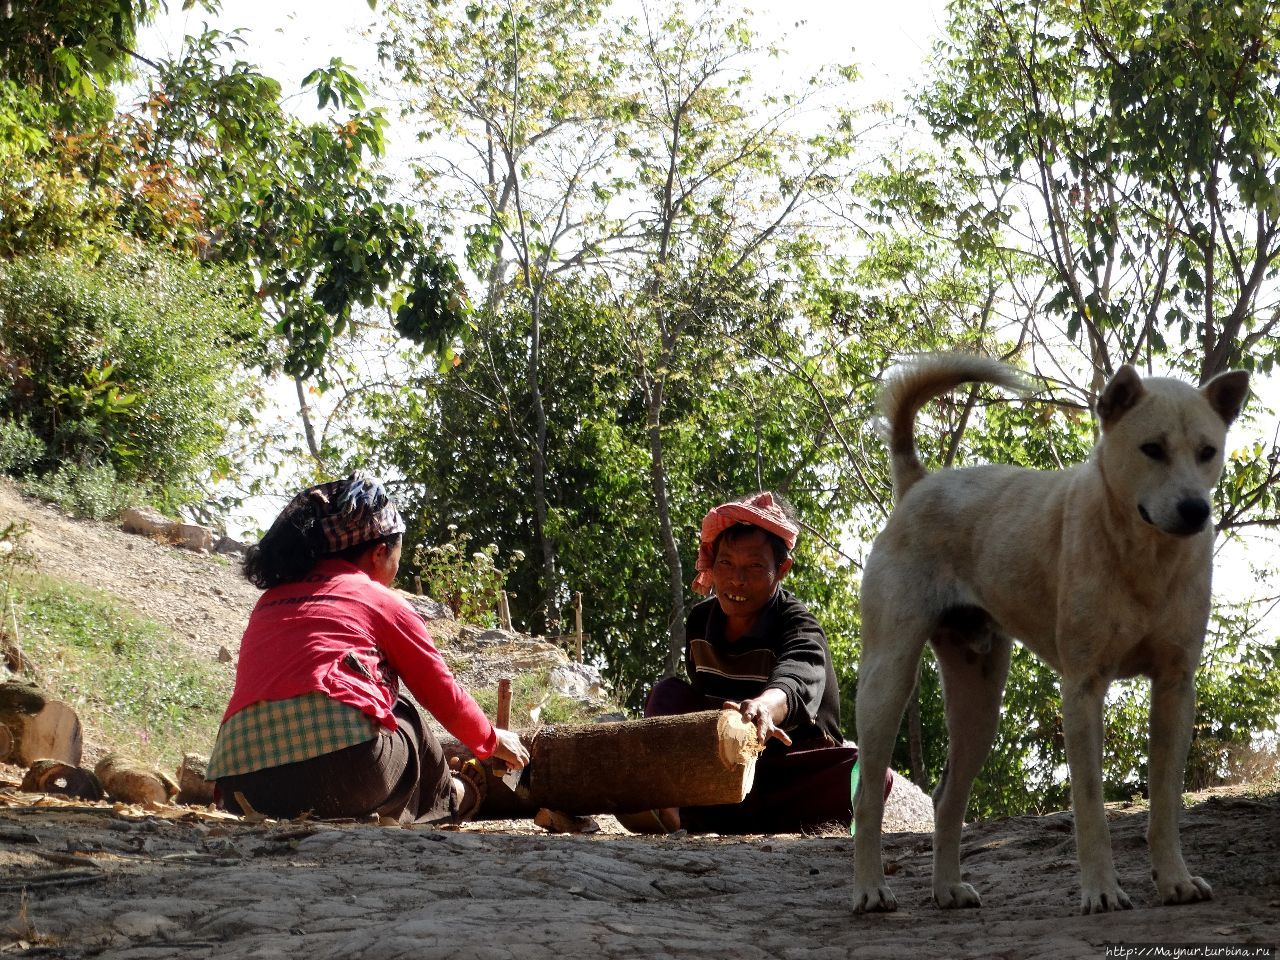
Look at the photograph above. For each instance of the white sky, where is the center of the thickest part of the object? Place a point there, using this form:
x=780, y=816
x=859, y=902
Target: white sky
x=288, y=38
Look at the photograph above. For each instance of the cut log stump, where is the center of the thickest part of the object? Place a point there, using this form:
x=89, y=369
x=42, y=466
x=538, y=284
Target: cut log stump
x=696, y=759
x=36, y=727
x=128, y=781
x=193, y=788
x=54, y=776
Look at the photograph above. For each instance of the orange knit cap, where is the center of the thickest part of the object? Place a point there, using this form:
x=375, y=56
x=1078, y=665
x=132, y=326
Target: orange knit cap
x=758, y=511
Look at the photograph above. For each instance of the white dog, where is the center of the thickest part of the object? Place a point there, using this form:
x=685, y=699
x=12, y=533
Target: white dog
x=1102, y=570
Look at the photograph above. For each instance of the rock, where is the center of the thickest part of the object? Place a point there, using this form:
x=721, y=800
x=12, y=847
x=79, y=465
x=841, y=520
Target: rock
x=230, y=547
x=191, y=536
x=150, y=522
x=908, y=809
x=578, y=680
x=145, y=521
x=429, y=609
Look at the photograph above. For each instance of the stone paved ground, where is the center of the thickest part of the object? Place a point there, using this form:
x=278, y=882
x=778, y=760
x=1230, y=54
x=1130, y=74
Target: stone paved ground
x=95, y=882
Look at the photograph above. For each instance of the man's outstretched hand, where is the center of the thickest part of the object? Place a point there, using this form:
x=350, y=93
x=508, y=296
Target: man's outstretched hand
x=765, y=713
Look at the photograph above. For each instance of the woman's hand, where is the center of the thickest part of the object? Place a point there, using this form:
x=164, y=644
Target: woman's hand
x=765, y=713
x=509, y=749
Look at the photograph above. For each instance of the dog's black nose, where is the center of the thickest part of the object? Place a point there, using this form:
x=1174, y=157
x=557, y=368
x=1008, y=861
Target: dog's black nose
x=1193, y=512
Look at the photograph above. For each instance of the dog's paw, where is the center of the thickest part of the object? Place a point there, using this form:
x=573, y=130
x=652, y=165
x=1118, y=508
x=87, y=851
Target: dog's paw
x=1188, y=889
x=1104, y=900
x=875, y=900
x=956, y=896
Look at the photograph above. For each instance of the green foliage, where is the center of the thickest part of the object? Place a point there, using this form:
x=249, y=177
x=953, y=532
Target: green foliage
x=469, y=583
x=20, y=449
x=92, y=490
x=72, y=46
x=300, y=204
x=128, y=361
x=124, y=675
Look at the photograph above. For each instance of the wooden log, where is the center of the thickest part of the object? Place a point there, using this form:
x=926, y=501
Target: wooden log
x=128, y=781
x=38, y=728
x=54, y=776
x=696, y=759
x=193, y=788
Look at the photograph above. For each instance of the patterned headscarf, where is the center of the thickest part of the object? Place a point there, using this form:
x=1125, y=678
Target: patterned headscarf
x=353, y=511
x=758, y=511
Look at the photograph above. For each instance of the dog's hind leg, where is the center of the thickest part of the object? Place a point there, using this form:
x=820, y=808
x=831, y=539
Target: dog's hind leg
x=886, y=677
x=1172, y=717
x=972, y=687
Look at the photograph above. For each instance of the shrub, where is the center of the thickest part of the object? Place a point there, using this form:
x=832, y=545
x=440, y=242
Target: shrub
x=468, y=583
x=130, y=359
x=90, y=490
x=19, y=448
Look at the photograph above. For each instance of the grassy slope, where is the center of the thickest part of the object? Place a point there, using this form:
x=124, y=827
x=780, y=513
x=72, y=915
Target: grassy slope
x=134, y=688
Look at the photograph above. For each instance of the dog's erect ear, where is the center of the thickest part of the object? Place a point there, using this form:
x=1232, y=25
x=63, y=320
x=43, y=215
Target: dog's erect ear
x=1120, y=394
x=1226, y=393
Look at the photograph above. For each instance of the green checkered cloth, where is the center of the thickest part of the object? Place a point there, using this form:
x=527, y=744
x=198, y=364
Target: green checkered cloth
x=272, y=732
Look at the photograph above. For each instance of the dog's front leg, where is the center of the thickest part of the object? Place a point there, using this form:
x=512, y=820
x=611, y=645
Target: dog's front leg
x=1172, y=717
x=1082, y=699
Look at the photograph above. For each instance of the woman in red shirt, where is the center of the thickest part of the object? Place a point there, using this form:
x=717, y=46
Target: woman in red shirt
x=317, y=722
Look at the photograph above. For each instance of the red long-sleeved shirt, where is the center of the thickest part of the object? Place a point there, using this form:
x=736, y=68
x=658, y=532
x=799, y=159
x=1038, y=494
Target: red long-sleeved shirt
x=342, y=634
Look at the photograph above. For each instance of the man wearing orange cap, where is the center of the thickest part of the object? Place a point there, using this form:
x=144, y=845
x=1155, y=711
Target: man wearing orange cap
x=755, y=648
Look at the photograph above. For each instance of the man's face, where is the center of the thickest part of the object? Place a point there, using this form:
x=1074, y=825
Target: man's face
x=746, y=575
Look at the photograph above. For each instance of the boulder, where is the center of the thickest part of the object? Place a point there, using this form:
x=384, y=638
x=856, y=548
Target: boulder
x=230, y=547
x=150, y=522
x=191, y=536
x=145, y=521
x=578, y=680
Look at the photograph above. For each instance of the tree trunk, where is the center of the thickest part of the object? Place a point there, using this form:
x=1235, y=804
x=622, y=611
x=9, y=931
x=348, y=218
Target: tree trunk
x=697, y=759
x=670, y=548
x=33, y=727
x=915, y=735
x=540, y=465
x=308, y=429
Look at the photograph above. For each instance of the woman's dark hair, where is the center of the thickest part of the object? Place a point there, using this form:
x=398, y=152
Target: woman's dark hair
x=294, y=544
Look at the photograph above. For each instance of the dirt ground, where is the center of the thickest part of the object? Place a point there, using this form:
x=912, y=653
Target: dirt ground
x=97, y=880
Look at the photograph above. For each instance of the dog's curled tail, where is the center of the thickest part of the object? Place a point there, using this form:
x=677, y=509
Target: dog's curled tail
x=918, y=381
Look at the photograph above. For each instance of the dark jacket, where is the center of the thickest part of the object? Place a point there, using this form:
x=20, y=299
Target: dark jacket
x=785, y=649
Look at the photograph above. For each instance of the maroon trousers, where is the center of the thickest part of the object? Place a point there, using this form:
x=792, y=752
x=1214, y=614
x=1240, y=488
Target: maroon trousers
x=801, y=787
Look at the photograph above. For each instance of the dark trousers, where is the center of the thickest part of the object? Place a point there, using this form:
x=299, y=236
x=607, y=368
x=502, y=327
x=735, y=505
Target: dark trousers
x=402, y=774
x=801, y=787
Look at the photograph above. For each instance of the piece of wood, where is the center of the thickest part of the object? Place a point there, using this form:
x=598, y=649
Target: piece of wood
x=62, y=779
x=503, y=721
x=696, y=759
x=193, y=788
x=39, y=728
x=128, y=781
x=504, y=611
